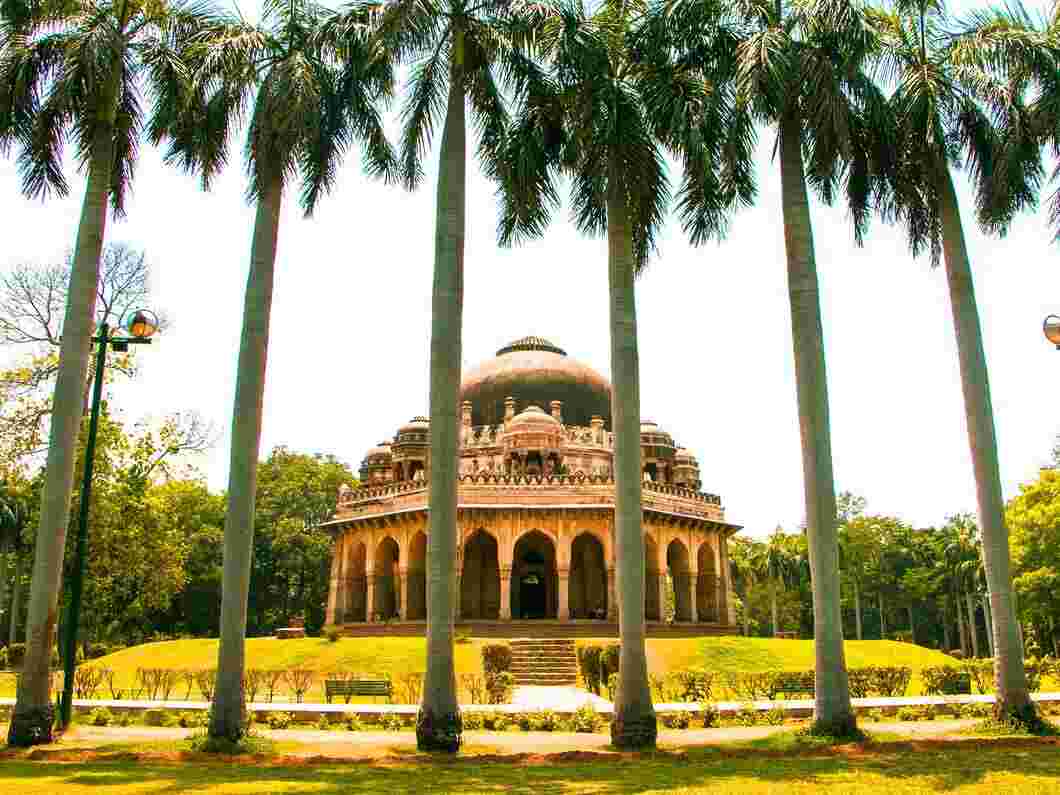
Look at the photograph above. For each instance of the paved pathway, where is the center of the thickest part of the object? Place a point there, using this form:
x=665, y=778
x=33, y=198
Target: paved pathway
x=529, y=698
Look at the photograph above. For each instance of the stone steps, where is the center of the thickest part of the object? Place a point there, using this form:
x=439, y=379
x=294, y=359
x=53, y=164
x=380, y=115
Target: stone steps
x=543, y=629
x=544, y=661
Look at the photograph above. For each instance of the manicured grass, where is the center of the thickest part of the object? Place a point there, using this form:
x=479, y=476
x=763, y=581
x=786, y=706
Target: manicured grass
x=897, y=768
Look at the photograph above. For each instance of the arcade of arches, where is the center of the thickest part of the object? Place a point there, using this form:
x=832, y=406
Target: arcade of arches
x=512, y=566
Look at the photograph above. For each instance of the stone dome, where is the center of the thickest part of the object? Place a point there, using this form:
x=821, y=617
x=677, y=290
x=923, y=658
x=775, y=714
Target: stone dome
x=534, y=371
x=415, y=425
x=533, y=418
x=378, y=453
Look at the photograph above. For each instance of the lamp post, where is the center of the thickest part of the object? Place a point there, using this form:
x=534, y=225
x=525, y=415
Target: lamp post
x=141, y=326
x=1051, y=329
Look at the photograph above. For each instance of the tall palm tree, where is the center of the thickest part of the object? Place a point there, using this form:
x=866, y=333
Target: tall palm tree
x=781, y=564
x=456, y=51
x=799, y=68
x=610, y=102
x=310, y=85
x=14, y=517
x=78, y=68
x=939, y=119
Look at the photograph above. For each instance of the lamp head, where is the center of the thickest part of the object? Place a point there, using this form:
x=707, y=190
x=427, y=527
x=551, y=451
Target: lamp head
x=1051, y=329
x=142, y=324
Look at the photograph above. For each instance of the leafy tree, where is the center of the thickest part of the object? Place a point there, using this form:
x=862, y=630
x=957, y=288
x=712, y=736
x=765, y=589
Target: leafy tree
x=937, y=120
x=312, y=88
x=80, y=69
x=1034, y=518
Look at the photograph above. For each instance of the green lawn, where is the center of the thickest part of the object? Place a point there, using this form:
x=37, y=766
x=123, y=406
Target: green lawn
x=897, y=768
x=397, y=656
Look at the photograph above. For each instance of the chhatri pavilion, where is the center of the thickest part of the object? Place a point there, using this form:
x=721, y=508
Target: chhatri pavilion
x=536, y=514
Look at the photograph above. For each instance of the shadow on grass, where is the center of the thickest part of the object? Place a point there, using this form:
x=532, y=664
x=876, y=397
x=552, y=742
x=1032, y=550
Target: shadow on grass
x=779, y=763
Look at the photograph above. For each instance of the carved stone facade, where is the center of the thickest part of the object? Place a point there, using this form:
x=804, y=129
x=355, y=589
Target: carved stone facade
x=536, y=511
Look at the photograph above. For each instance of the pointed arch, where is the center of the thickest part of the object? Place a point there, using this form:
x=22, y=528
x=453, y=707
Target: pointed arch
x=677, y=565
x=588, y=577
x=480, y=577
x=416, y=609
x=387, y=598
x=534, y=583
x=356, y=605
x=653, y=610
x=707, y=584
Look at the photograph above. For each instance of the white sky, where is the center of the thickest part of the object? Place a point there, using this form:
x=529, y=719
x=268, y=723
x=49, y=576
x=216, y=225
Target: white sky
x=350, y=331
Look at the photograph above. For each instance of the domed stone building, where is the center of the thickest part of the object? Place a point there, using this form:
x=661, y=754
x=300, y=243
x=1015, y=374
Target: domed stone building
x=536, y=514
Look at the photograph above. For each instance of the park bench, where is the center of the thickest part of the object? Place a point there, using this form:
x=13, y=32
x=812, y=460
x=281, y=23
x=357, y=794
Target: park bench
x=348, y=688
x=959, y=684
x=791, y=684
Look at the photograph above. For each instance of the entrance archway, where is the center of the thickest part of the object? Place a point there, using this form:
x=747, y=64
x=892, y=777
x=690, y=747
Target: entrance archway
x=357, y=584
x=416, y=609
x=535, y=586
x=681, y=577
x=480, y=578
x=652, y=608
x=588, y=578
x=387, y=598
x=707, y=586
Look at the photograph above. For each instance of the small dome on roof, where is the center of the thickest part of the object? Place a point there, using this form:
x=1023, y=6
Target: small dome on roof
x=682, y=456
x=381, y=450
x=534, y=416
x=415, y=425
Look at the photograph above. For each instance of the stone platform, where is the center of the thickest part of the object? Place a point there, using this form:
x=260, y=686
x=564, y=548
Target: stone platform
x=542, y=628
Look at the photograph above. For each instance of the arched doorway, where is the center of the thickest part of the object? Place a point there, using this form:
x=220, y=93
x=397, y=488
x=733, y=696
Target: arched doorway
x=652, y=608
x=535, y=587
x=416, y=609
x=707, y=585
x=681, y=577
x=357, y=584
x=588, y=578
x=480, y=578
x=387, y=598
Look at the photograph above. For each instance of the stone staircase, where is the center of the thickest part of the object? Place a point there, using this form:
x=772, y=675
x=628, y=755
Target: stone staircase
x=544, y=661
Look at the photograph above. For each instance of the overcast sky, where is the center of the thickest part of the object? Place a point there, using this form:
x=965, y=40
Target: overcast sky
x=350, y=332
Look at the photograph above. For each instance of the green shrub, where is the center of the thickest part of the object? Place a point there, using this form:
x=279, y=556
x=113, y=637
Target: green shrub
x=676, y=720
x=860, y=681
x=280, y=720
x=352, y=722
x=391, y=722
x=753, y=685
x=746, y=715
x=694, y=684
x=940, y=680
x=612, y=686
x=1034, y=670
x=890, y=680
x=908, y=714
x=332, y=633
x=97, y=650
x=498, y=721
x=158, y=717
x=774, y=717
x=496, y=658
x=3, y=657
x=15, y=653
x=981, y=673
x=710, y=715
x=100, y=716
x=589, y=667
x=609, y=658
x=585, y=720
x=124, y=719
x=544, y=721
x=323, y=724
x=525, y=721
x=499, y=687
x=193, y=720
x=473, y=721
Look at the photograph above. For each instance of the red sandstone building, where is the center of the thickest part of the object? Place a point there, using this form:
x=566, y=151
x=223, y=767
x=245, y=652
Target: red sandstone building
x=536, y=514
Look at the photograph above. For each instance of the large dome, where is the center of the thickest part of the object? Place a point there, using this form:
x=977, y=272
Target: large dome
x=534, y=371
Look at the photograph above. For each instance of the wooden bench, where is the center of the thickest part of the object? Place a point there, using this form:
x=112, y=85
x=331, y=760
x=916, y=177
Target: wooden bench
x=348, y=688
x=792, y=684
x=959, y=685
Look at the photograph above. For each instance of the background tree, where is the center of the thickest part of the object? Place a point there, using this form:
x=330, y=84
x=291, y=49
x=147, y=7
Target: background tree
x=938, y=120
x=80, y=69
x=311, y=95
x=1034, y=519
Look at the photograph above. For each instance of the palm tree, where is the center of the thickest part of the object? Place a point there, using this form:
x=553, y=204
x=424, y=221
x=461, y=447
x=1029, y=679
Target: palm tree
x=311, y=84
x=781, y=564
x=453, y=49
x=938, y=120
x=800, y=69
x=612, y=100
x=78, y=68
x=745, y=568
x=14, y=517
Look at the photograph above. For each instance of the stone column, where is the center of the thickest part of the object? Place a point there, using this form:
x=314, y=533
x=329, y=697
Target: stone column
x=662, y=597
x=612, y=595
x=506, y=593
x=563, y=611
x=693, y=586
x=369, y=602
x=403, y=593
x=331, y=616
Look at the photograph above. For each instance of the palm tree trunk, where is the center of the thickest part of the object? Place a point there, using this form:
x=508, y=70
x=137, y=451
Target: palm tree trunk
x=989, y=626
x=961, y=629
x=1013, y=698
x=857, y=607
x=16, y=600
x=746, y=614
x=776, y=625
x=883, y=618
x=633, y=724
x=6, y=563
x=33, y=716
x=945, y=628
x=226, y=717
x=439, y=726
x=969, y=602
x=832, y=709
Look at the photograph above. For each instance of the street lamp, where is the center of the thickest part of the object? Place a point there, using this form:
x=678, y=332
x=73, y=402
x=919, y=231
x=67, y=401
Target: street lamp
x=141, y=326
x=1051, y=329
